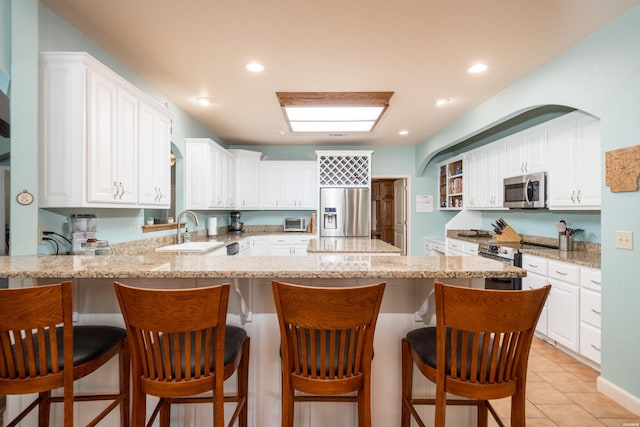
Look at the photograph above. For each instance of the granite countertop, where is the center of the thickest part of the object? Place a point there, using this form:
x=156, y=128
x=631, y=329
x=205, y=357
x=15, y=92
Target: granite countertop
x=586, y=254
x=351, y=245
x=162, y=266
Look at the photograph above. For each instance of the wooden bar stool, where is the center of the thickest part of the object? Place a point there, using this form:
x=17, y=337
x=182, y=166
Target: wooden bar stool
x=478, y=350
x=38, y=343
x=327, y=344
x=181, y=347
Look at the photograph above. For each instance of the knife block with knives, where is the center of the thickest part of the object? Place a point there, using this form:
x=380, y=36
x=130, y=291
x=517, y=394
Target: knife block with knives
x=505, y=233
x=508, y=235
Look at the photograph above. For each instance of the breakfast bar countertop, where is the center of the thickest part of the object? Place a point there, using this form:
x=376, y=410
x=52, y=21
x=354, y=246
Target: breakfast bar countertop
x=163, y=266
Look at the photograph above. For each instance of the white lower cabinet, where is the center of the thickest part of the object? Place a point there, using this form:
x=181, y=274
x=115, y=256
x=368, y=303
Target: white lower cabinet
x=572, y=313
x=536, y=278
x=564, y=301
x=288, y=245
x=590, y=314
x=259, y=246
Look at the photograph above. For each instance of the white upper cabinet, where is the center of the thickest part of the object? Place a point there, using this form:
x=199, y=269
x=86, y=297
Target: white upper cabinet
x=484, y=174
x=210, y=175
x=154, y=179
x=221, y=178
x=288, y=185
x=197, y=166
x=526, y=152
x=247, y=178
x=574, y=176
x=90, y=135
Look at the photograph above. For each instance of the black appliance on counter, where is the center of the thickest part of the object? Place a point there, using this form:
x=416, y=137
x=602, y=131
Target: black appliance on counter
x=235, y=226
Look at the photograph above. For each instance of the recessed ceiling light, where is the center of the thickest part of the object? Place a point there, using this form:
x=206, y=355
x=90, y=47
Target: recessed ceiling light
x=333, y=111
x=254, y=67
x=442, y=101
x=203, y=100
x=403, y=132
x=477, y=68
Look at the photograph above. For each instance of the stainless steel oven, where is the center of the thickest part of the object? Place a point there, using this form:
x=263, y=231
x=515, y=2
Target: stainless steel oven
x=505, y=255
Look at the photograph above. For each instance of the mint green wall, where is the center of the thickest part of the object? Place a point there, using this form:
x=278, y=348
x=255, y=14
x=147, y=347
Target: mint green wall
x=5, y=44
x=599, y=76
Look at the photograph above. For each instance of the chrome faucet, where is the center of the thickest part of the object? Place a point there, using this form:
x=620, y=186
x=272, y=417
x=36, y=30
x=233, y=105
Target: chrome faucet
x=179, y=236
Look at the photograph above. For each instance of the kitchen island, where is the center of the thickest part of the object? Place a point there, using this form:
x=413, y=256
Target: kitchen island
x=351, y=245
x=409, y=282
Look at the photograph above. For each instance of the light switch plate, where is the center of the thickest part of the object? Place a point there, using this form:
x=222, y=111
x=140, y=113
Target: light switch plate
x=624, y=240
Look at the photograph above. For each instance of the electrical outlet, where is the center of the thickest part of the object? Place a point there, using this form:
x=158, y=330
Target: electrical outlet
x=624, y=240
x=41, y=231
x=136, y=228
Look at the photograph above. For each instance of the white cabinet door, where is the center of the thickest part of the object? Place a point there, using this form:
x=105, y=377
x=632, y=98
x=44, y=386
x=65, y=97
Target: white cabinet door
x=247, y=179
x=588, y=161
x=474, y=185
x=563, y=314
x=308, y=193
x=288, y=185
x=535, y=281
x=526, y=151
x=574, y=176
x=154, y=148
x=113, y=130
x=493, y=165
x=197, y=178
x=269, y=185
x=562, y=174
x=259, y=246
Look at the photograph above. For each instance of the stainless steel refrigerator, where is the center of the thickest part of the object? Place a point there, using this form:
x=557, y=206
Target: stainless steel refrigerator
x=345, y=212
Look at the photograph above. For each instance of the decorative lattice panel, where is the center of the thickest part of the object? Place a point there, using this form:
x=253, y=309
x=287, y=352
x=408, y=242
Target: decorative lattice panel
x=344, y=170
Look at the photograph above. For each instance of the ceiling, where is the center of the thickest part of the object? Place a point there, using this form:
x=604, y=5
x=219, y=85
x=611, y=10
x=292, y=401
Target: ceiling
x=419, y=49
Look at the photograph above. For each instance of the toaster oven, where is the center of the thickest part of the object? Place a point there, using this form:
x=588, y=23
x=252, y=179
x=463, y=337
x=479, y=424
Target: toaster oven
x=295, y=224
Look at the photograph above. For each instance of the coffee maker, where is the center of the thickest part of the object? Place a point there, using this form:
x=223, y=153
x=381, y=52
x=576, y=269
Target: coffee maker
x=83, y=236
x=235, y=226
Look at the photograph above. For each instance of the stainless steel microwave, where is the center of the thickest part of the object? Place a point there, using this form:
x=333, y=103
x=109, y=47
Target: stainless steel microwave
x=526, y=191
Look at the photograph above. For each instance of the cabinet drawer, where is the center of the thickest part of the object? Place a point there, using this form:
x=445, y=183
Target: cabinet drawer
x=455, y=245
x=300, y=240
x=279, y=239
x=590, y=310
x=591, y=278
x=470, y=248
x=565, y=272
x=590, y=343
x=534, y=264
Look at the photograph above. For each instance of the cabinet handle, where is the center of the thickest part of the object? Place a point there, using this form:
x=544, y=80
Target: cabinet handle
x=121, y=191
x=532, y=265
x=595, y=282
x=526, y=165
x=596, y=311
x=573, y=196
x=530, y=287
x=522, y=168
x=578, y=197
x=595, y=347
x=115, y=190
x=562, y=273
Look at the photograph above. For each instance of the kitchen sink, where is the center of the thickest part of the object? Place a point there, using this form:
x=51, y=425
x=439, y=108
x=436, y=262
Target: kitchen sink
x=194, y=247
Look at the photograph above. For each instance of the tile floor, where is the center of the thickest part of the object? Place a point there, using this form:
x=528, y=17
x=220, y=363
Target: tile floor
x=561, y=392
